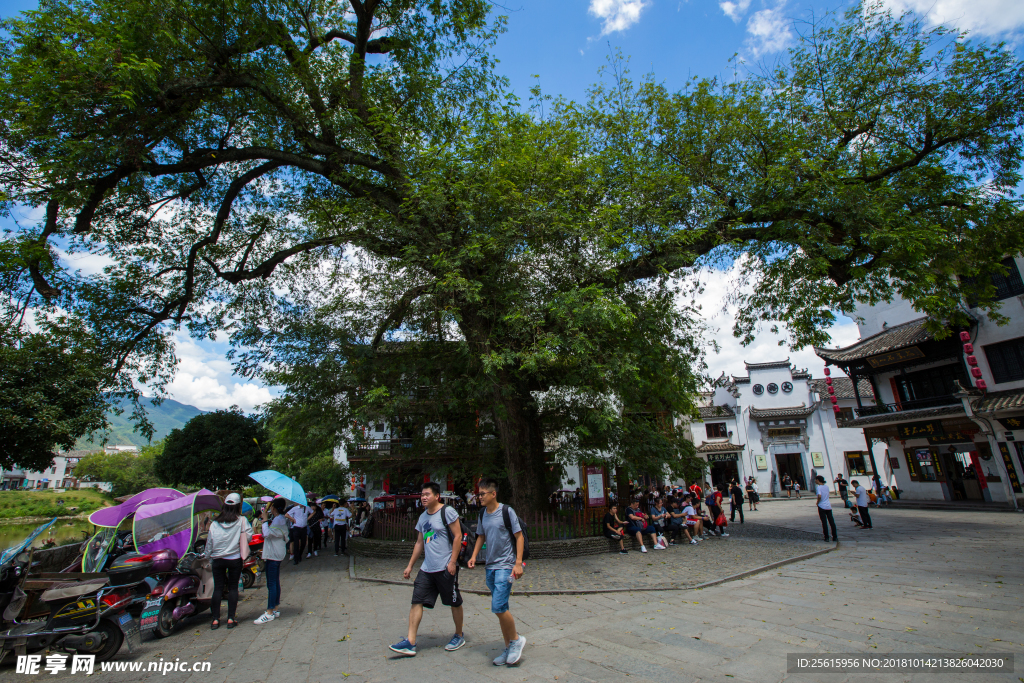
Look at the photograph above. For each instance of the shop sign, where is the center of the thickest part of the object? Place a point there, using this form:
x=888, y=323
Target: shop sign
x=761, y=461
x=898, y=356
x=894, y=462
x=723, y=457
x=1014, y=422
x=953, y=437
x=817, y=460
x=1004, y=450
x=595, y=486
x=920, y=430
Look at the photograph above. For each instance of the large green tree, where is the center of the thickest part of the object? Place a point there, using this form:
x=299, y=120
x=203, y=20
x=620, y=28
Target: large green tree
x=214, y=450
x=333, y=178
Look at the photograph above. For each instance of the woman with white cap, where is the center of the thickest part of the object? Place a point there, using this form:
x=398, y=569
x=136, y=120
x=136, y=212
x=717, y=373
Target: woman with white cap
x=227, y=546
x=275, y=549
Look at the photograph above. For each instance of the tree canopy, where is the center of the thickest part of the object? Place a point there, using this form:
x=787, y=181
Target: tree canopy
x=349, y=189
x=214, y=450
x=127, y=471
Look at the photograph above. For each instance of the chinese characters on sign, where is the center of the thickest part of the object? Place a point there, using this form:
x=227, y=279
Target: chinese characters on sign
x=1013, y=422
x=1004, y=450
x=595, y=486
x=953, y=437
x=883, y=359
x=920, y=430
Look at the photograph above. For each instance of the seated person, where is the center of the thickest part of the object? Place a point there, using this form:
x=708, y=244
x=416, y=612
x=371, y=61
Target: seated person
x=676, y=522
x=637, y=524
x=693, y=525
x=611, y=526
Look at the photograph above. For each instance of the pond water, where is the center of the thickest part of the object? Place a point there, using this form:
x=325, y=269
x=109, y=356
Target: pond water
x=62, y=530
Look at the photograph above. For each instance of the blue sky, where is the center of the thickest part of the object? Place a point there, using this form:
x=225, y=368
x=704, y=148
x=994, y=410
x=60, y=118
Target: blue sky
x=565, y=43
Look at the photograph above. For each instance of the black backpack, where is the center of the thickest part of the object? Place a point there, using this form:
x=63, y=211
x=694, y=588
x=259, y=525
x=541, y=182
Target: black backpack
x=468, y=539
x=508, y=526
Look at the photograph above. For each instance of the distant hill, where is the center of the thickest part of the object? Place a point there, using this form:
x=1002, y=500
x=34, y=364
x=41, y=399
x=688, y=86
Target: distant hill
x=165, y=417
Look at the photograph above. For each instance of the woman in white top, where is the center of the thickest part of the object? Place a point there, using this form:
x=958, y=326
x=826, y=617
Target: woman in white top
x=227, y=546
x=275, y=548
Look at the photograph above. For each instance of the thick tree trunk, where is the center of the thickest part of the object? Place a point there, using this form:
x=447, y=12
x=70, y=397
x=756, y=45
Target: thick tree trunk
x=519, y=430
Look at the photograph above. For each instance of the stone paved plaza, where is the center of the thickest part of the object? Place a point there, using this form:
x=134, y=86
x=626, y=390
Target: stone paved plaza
x=921, y=582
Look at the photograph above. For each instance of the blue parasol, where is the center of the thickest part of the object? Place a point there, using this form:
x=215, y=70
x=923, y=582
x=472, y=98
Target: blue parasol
x=281, y=484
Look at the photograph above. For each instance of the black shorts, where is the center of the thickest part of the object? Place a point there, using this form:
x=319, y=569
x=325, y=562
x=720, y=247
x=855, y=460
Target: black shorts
x=429, y=585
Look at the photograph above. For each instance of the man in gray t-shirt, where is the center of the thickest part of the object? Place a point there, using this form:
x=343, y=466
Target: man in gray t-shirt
x=504, y=565
x=436, y=530
x=500, y=552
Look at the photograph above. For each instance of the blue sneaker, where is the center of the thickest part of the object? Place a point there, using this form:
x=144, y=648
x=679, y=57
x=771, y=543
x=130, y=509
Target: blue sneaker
x=404, y=647
x=455, y=643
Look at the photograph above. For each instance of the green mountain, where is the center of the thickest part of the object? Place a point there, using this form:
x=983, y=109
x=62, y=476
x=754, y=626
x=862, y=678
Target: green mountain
x=165, y=417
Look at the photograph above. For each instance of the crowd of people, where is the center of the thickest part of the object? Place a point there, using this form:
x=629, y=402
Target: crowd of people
x=671, y=516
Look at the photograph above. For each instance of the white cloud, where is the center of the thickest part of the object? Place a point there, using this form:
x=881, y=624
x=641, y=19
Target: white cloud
x=720, y=318
x=617, y=15
x=735, y=10
x=204, y=379
x=984, y=17
x=769, y=31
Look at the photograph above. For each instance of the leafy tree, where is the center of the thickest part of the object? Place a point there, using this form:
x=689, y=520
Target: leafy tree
x=345, y=176
x=129, y=472
x=214, y=450
x=324, y=474
x=49, y=397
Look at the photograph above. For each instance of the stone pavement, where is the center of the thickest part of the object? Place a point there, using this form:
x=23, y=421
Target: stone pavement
x=922, y=581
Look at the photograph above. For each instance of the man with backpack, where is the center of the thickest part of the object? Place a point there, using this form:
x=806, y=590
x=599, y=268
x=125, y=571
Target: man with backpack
x=438, y=529
x=500, y=527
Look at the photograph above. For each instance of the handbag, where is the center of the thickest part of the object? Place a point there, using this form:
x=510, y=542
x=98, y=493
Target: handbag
x=721, y=521
x=243, y=542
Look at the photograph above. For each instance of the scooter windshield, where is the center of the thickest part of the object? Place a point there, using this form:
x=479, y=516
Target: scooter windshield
x=99, y=549
x=13, y=551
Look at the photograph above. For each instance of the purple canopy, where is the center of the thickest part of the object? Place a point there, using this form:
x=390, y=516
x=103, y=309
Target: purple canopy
x=113, y=516
x=171, y=524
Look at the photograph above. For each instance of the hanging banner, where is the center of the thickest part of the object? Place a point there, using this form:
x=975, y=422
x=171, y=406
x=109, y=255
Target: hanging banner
x=1004, y=450
x=595, y=486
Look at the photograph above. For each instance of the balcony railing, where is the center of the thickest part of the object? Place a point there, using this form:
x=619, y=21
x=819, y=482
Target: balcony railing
x=930, y=402
x=398, y=447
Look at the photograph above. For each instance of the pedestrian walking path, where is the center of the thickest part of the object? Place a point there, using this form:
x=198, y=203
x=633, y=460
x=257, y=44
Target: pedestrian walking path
x=923, y=581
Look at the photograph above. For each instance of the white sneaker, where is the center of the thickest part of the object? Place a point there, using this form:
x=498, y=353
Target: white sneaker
x=643, y=549
x=659, y=547
x=501, y=659
x=264, y=619
x=515, y=651
x=693, y=542
x=277, y=614
x=308, y=555
x=725, y=535
x=316, y=553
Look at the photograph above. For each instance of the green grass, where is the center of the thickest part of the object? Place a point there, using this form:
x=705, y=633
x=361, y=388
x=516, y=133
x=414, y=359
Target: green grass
x=44, y=503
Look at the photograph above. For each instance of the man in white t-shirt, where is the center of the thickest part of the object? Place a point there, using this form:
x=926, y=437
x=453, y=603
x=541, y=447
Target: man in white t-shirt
x=862, y=504
x=825, y=508
x=341, y=517
x=299, y=516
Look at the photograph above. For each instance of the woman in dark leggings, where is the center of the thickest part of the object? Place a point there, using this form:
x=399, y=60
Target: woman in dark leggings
x=314, y=529
x=224, y=548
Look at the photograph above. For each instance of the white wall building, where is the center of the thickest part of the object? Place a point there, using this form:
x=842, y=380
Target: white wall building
x=944, y=443
x=777, y=420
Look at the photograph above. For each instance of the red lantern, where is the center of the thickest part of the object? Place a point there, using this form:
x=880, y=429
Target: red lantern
x=831, y=391
x=965, y=336
x=827, y=371
x=828, y=381
x=976, y=373
x=834, y=400
x=981, y=384
x=837, y=409
x=972, y=360
x=968, y=348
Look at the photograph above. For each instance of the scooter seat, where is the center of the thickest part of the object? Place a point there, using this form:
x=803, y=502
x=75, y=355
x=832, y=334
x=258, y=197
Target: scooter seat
x=67, y=591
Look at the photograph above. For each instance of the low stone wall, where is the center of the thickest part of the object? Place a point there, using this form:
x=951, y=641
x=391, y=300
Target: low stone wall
x=575, y=547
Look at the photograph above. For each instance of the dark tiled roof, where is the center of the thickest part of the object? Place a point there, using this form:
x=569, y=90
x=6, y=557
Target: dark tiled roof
x=1011, y=399
x=740, y=380
x=716, y=411
x=904, y=416
x=896, y=337
x=779, y=413
x=844, y=388
x=801, y=375
x=719, y=447
x=765, y=366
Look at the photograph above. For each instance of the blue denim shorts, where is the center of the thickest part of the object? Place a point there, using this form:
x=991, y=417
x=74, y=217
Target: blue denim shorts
x=500, y=587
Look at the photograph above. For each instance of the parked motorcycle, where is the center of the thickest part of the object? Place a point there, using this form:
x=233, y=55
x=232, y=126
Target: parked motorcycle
x=86, y=615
